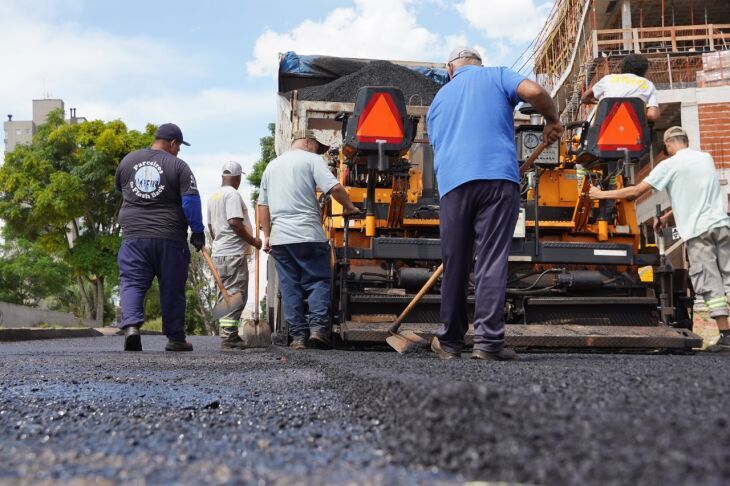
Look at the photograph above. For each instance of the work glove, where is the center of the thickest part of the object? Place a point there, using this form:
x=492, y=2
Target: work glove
x=197, y=240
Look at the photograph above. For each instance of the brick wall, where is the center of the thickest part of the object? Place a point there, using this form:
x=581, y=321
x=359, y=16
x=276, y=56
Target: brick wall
x=715, y=132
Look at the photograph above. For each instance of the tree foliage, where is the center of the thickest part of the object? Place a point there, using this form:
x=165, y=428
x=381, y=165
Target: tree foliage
x=58, y=193
x=28, y=274
x=268, y=153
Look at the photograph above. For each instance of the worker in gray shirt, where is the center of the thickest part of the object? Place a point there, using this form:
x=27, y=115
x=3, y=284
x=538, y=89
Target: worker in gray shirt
x=230, y=228
x=293, y=234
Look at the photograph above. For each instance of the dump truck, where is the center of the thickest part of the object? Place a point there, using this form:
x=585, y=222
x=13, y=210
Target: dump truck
x=574, y=263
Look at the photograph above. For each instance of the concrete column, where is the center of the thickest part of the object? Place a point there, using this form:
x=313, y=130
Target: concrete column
x=626, y=24
x=690, y=116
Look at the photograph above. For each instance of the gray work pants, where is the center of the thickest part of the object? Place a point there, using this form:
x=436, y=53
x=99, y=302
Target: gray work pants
x=709, y=268
x=234, y=274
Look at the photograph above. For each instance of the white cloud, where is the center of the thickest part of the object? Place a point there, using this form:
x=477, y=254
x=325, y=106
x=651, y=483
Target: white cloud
x=514, y=20
x=379, y=29
x=212, y=106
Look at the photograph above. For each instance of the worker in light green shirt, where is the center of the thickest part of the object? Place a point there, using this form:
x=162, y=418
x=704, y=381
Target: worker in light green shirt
x=698, y=209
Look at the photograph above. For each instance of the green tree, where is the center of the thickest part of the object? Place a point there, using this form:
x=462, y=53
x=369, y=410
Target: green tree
x=58, y=192
x=28, y=275
x=268, y=153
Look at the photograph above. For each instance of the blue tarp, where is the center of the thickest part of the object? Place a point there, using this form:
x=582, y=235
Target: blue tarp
x=334, y=67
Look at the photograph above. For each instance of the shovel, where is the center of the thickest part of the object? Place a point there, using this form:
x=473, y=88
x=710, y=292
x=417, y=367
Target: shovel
x=409, y=341
x=230, y=302
x=256, y=333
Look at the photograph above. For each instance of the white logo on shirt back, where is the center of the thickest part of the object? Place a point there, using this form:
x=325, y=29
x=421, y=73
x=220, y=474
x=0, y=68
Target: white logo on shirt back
x=146, y=183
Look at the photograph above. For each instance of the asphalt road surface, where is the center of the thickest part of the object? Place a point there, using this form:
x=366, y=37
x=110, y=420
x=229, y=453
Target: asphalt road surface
x=81, y=410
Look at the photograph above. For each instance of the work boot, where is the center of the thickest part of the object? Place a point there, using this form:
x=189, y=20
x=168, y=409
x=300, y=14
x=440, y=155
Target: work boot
x=504, y=354
x=722, y=344
x=441, y=352
x=320, y=340
x=298, y=343
x=132, y=339
x=233, y=341
x=178, y=346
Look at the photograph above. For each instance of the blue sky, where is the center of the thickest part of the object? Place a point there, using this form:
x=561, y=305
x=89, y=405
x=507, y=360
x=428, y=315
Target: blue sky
x=210, y=66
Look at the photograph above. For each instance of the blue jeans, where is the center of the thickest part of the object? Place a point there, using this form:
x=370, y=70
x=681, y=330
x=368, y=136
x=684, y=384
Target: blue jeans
x=304, y=274
x=140, y=261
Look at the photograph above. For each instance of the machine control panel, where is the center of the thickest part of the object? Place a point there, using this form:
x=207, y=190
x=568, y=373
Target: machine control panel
x=527, y=138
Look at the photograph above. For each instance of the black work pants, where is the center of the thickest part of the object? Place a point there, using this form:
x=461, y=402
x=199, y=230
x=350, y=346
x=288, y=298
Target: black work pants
x=477, y=223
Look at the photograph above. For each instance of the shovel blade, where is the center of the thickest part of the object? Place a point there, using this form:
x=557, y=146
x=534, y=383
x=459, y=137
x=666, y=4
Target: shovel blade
x=256, y=334
x=223, y=308
x=406, y=342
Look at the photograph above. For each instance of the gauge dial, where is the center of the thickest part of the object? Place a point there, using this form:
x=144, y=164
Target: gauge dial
x=531, y=140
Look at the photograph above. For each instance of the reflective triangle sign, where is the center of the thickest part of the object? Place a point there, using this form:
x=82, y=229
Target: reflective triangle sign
x=380, y=120
x=620, y=130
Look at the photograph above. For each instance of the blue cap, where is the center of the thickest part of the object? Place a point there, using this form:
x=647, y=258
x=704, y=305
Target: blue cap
x=170, y=131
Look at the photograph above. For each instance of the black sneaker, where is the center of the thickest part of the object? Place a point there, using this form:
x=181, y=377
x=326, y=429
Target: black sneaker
x=722, y=344
x=441, y=352
x=132, y=339
x=320, y=339
x=504, y=354
x=233, y=341
x=178, y=346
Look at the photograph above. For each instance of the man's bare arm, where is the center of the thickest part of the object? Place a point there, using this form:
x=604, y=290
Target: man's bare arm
x=210, y=230
x=652, y=114
x=589, y=98
x=239, y=228
x=265, y=222
x=630, y=193
x=536, y=95
x=339, y=193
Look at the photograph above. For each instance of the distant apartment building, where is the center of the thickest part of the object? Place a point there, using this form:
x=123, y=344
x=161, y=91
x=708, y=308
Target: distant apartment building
x=20, y=132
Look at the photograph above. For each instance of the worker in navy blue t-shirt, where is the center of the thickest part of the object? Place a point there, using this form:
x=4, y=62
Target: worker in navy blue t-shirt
x=160, y=200
x=471, y=127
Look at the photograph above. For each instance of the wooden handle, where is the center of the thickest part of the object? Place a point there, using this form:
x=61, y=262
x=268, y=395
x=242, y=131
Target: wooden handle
x=256, y=270
x=424, y=290
x=535, y=154
x=216, y=275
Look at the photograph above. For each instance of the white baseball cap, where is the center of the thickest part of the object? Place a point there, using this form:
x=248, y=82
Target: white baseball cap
x=232, y=169
x=464, y=52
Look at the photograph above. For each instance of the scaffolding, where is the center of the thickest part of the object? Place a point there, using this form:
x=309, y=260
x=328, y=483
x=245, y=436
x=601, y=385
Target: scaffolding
x=583, y=40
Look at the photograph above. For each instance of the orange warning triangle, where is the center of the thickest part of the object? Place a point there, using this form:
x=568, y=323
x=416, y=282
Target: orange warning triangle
x=621, y=129
x=380, y=121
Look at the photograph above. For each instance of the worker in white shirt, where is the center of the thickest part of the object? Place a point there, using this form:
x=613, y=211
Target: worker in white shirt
x=631, y=83
x=698, y=209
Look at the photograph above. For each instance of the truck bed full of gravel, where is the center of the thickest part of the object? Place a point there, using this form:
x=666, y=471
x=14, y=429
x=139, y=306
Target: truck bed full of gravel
x=417, y=88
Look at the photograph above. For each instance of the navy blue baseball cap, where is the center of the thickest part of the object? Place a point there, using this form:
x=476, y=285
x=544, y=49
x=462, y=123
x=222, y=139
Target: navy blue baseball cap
x=170, y=131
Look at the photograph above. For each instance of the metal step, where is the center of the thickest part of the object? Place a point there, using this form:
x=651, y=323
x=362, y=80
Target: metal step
x=555, y=337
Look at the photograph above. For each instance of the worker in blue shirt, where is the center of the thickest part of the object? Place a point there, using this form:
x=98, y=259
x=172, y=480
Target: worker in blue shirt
x=160, y=200
x=471, y=127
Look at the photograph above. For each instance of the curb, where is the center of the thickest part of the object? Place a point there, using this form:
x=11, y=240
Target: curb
x=29, y=334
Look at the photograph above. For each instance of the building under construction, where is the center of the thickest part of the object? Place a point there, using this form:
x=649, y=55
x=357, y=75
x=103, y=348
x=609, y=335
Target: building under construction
x=688, y=46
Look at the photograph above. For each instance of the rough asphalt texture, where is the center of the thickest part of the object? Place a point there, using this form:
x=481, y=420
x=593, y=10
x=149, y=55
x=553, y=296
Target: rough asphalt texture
x=81, y=410
x=417, y=88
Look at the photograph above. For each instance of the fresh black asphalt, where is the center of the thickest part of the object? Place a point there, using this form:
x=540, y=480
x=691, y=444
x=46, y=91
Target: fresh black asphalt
x=81, y=410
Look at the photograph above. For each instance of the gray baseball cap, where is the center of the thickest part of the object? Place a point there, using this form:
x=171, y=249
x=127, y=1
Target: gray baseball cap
x=464, y=53
x=674, y=131
x=232, y=169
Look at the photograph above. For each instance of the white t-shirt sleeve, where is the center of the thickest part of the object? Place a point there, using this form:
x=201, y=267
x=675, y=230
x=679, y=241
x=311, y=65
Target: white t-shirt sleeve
x=651, y=92
x=264, y=190
x=233, y=205
x=660, y=176
x=322, y=175
x=599, y=89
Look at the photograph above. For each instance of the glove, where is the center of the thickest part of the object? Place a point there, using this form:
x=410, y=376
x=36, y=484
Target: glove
x=197, y=240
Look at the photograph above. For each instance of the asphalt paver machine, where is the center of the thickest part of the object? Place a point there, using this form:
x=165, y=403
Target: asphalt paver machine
x=574, y=263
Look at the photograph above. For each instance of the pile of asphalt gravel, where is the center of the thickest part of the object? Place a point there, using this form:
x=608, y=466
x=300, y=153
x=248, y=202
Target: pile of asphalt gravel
x=417, y=88
x=78, y=411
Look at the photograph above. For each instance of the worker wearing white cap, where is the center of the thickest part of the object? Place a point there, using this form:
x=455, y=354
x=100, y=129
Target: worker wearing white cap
x=232, y=233
x=698, y=209
x=471, y=127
